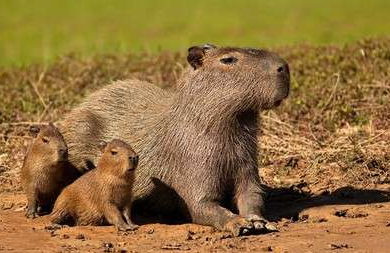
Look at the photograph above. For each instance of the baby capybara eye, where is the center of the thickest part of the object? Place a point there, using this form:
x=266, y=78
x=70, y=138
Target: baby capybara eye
x=45, y=139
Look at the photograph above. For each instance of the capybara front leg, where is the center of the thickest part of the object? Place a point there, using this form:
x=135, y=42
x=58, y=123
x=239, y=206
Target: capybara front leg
x=32, y=203
x=127, y=215
x=212, y=214
x=114, y=217
x=249, y=201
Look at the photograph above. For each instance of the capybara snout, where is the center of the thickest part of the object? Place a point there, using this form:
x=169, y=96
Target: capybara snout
x=133, y=162
x=278, y=79
x=63, y=154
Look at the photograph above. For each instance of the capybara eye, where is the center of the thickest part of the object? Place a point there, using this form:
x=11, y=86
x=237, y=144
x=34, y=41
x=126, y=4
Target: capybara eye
x=45, y=140
x=113, y=152
x=228, y=60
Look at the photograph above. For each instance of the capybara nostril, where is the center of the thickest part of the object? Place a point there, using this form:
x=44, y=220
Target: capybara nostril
x=283, y=69
x=63, y=152
x=135, y=160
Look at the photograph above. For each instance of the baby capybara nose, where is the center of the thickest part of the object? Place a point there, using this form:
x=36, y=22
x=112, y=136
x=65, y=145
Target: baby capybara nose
x=63, y=153
x=134, y=160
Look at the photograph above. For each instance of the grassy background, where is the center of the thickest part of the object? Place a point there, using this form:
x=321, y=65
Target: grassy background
x=40, y=30
x=332, y=131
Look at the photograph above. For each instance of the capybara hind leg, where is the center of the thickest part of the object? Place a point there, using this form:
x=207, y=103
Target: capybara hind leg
x=60, y=216
x=127, y=215
x=114, y=217
x=212, y=214
x=32, y=205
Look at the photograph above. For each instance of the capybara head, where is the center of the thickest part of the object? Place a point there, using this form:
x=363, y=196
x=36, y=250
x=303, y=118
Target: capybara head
x=49, y=143
x=257, y=79
x=118, y=157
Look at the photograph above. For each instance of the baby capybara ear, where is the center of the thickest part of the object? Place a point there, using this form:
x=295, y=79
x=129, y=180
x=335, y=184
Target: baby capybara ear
x=102, y=146
x=195, y=56
x=34, y=130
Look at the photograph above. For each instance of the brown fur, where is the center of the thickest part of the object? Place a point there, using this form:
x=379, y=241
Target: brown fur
x=199, y=145
x=45, y=171
x=102, y=195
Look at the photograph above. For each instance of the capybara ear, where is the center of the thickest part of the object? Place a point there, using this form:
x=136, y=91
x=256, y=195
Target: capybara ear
x=102, y=146
x=208, y=46
x=195, y=56
x=34, y=130
x=51, y=124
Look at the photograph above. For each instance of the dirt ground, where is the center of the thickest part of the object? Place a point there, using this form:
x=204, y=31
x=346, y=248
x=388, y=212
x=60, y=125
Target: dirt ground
x=346, y=220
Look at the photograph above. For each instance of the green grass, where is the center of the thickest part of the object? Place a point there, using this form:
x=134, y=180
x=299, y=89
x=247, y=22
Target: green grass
x=40, y=30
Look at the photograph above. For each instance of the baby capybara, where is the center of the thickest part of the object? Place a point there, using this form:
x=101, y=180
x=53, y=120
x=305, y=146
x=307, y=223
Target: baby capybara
x=45, y=171
x=199, y=145
x=103, y=195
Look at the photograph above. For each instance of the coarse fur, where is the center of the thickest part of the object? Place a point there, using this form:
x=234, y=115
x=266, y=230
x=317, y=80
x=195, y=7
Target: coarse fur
x=198, y=145
x=45, y=170
x=102, y=195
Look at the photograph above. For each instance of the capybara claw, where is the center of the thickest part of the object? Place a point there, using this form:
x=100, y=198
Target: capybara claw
x=260, y=224
x=127, y=227
x=32, y=215
x=271, y=228
x=239, y=226
x=245, y=231
x=132, y=227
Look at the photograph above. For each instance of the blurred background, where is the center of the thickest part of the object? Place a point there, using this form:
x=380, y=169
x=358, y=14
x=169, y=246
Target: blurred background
x=40, y=30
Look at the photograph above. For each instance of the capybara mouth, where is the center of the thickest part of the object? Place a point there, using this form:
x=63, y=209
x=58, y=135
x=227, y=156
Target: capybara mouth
x=278, y=102
x=62, y=155
x=63, y=158
x=131, y=169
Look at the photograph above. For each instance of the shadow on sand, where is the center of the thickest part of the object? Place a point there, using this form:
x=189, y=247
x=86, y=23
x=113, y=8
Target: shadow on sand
x=280, y=203
x=288, y=202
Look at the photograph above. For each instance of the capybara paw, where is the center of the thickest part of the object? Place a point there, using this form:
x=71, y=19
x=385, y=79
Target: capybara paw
x=133, y=227
x=239, y=226
x=260, y=224
x=31, y=214
x=127, y=227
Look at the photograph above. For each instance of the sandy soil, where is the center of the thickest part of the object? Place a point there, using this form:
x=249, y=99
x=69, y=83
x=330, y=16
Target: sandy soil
x=346, y=220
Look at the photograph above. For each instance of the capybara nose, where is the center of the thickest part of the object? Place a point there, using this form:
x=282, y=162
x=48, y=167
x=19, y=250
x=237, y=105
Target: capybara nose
x=283, y=69
x=63, y=153
x=134, y=160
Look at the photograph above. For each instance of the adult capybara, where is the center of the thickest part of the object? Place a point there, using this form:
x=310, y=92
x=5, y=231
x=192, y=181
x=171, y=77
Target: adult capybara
x=45, y=170
x=102, y=195
x=198, y=145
